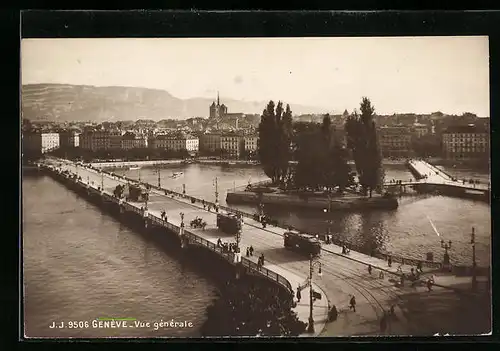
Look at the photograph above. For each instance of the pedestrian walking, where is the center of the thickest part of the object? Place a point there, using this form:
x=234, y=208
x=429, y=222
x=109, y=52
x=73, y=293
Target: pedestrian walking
x=429, y=285
x=419, y=267
x=248, y=252
x=389, y=261
x=251, y=250
x=298, y=294
x=352, y=303
x=381, y=275
x=370, y=269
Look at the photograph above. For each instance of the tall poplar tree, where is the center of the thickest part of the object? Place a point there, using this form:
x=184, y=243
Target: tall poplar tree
x=275, y=137
x=363, y=141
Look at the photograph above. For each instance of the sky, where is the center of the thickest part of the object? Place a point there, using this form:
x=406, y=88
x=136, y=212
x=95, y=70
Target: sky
x=398, y=74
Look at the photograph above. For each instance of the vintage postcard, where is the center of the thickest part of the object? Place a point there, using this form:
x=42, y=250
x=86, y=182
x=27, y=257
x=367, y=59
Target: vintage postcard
x=208, y=187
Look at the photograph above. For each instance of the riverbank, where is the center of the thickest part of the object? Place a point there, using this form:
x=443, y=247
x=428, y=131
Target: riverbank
x=348, y=202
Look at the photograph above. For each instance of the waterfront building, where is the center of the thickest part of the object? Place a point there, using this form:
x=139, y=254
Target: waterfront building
x=210, y=142
x=251, y=143
x=40, y=142
x=94, y=140
x=395, y=141
x=232, y=144
x=419, y=129
x=133, y=141
x=176, y=142
x=69, y=139
x=115, y=140
x=466, y=142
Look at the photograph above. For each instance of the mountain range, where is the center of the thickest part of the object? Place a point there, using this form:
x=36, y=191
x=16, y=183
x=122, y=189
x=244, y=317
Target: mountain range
x=65, y=102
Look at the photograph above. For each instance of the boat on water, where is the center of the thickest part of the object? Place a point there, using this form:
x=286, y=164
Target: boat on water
x=177, y=174
x=134, y=168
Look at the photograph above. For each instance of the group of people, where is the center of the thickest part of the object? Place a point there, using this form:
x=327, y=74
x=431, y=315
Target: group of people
x=227, y=247
x=163, y=215
x=345, y=249
x=249, y=251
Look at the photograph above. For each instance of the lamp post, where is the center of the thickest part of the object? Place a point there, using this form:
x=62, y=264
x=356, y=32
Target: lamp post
x=183, y=188
x=473, y=242
x=312, y=263
x=446, y=246
x=102, y=181
x=216, y=192
x=329, y=210
x=159, y=178
x=146, y=198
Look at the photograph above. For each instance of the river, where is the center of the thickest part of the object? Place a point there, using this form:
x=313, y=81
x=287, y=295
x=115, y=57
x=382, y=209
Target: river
x=80, y=264
x=406, y=231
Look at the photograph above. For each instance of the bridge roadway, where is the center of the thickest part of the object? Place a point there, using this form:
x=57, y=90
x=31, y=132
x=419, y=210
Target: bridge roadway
x=437, y=176
x=342, y=276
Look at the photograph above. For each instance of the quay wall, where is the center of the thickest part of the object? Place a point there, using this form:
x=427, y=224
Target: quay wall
x=355, y=203
x=150, y=220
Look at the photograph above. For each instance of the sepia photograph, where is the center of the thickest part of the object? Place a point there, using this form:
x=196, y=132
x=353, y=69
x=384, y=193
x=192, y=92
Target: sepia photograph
x=255, y=187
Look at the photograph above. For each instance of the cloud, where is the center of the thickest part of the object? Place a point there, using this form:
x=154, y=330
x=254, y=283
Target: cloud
x=238, y=80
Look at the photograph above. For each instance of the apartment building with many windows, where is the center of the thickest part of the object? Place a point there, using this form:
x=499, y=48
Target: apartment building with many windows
x=466, y=142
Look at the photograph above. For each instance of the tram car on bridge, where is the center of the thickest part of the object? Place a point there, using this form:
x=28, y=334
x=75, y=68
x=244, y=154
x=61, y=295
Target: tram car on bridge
x=137, y=193
x=229, y=223
x=302, y=243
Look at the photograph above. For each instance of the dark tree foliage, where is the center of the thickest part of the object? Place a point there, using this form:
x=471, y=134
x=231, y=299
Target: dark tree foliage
x=322, y=159
x=363, y=141
x=275, y=136
x=310, y=156
x=250, y=307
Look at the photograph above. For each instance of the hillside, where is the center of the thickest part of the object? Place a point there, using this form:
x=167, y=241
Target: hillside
x=89, y=103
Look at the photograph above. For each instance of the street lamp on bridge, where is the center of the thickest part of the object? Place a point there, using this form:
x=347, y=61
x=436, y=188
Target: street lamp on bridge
x=329, y=221
x=216, y=193
x=312, y=263
x=446, y=246
x=473, y=242
x=159, y=178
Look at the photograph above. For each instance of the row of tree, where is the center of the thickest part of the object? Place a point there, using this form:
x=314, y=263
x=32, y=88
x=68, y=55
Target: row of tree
x=322, y=158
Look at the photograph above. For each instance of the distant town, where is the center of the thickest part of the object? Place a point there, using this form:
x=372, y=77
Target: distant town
x=231, y=135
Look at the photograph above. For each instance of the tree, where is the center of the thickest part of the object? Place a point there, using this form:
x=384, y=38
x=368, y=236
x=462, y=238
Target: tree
x=252, y=307
x=363, y=142
x=275, y=135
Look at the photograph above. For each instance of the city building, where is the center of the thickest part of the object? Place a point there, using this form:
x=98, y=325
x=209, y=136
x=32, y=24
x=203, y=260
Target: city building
x=395, y=141
x=114, y=140
x=420, y=129
x=210, y=142
x=69, y=139
x=176, y=142
x=40, y=142
x=251, y=143
x=94, y=140
x=232, y=144
x=466, y=142
x=133, y=141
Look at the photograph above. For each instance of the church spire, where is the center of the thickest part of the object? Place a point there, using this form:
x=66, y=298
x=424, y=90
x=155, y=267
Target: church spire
x=218, y=104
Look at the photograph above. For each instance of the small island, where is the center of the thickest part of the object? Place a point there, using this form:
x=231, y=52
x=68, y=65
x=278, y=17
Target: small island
x=321, y=177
